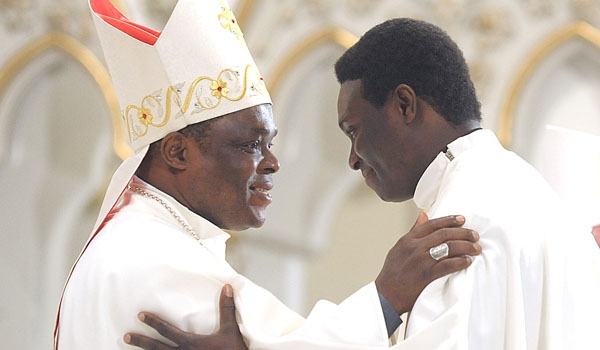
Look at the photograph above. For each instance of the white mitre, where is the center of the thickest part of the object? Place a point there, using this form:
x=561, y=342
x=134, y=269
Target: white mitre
x=198, y=68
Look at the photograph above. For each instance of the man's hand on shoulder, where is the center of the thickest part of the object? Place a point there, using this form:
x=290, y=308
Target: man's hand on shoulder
x=228, y=336
x=410, y=265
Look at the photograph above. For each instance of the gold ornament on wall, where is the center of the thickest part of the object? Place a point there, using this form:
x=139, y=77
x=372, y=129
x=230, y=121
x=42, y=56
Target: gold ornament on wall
x=581, y=30
x=338, y=36
x=82, y=55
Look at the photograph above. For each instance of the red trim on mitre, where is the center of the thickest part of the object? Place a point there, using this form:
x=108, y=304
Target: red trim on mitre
x=105, y=10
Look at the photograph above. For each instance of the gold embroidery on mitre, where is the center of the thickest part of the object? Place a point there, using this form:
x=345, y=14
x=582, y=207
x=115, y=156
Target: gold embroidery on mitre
x=228, y=21
x=204, y=93
x=219, y=88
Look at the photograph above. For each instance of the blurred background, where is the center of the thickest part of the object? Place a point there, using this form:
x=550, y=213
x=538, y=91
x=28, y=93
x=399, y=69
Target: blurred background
x=535, y=63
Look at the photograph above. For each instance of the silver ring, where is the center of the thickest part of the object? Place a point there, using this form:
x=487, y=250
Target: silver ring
x=439, y=251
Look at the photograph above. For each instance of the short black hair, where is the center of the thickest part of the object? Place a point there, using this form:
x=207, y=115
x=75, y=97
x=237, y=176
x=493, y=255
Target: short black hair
x=197, y=132
x=418, y=54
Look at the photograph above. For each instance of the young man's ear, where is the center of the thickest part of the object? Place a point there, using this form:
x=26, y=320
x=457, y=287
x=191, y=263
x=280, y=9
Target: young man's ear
x=404, y=100
x=173, y=150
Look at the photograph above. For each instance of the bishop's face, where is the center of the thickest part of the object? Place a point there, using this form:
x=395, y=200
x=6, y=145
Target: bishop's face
x=232, y=171
x=382, y=144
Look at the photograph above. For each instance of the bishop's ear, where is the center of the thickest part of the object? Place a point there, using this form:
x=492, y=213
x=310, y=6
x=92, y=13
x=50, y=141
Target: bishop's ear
x=173, y=150
x=404, y=101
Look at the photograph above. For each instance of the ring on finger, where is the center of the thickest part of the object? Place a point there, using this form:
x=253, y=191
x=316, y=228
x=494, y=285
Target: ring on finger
x=439, y=251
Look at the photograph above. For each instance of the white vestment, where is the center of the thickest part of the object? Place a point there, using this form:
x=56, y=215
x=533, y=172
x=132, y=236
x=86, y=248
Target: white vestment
x=143, y=260
x=536, y=284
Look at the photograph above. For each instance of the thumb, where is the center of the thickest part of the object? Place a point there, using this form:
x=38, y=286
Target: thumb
x=227, y=307
x=421, y=219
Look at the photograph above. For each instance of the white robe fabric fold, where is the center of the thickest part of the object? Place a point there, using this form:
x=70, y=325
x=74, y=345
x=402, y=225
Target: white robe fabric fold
x=537, y=283
x=142, y=260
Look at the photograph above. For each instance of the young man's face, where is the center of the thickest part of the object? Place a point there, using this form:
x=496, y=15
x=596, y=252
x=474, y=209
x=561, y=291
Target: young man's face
x=232, y=170
x=382, y=144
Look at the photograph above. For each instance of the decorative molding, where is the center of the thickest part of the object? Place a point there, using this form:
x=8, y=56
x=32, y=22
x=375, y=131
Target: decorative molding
x=338, y=36
x=582, y=30
x=90, y=63
x=67, y=18
x=494, y=26
x=361, y=7
x=160, y=10
x=57, y=15
x=539, y=8
x=15, y=13
x=482, y=75
x=243, y=10
x=587, y=10
x=120, y=6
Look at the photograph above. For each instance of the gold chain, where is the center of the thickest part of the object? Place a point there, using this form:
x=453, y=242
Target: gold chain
x=179, y=220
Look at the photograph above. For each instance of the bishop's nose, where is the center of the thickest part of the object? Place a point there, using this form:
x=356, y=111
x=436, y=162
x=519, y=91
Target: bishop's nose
x=354, y=160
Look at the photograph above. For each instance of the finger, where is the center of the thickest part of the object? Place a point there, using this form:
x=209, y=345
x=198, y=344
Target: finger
x=460, y=248
x=449, y=234
x=450, y=265
x=227, y=307
x=145, y=342
x=161, y=326
x=436, y=224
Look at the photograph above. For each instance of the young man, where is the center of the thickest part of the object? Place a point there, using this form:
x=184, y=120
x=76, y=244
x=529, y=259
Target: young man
x=409, y=107
x=201, y=123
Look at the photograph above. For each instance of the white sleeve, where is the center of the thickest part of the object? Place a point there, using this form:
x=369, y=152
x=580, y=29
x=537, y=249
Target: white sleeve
x=356, y=323
x=181, y=282
x=469, y=309
x=522, y=292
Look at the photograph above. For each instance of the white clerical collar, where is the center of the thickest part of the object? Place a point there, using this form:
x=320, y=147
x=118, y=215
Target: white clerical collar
x=203, y=228
x=428, y=186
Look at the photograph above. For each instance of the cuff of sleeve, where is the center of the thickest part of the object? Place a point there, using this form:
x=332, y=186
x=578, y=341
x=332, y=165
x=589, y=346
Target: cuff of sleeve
x=391, y=317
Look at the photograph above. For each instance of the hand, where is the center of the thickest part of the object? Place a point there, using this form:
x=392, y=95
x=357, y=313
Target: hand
x=409, y=268
x=228, y=336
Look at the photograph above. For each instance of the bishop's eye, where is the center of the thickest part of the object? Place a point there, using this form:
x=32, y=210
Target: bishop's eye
x=250, y=147
x=351, y=131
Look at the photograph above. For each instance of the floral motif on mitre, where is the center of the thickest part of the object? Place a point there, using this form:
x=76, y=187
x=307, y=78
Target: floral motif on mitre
x=229, y=22
x=159, y=108
x=219, y=88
